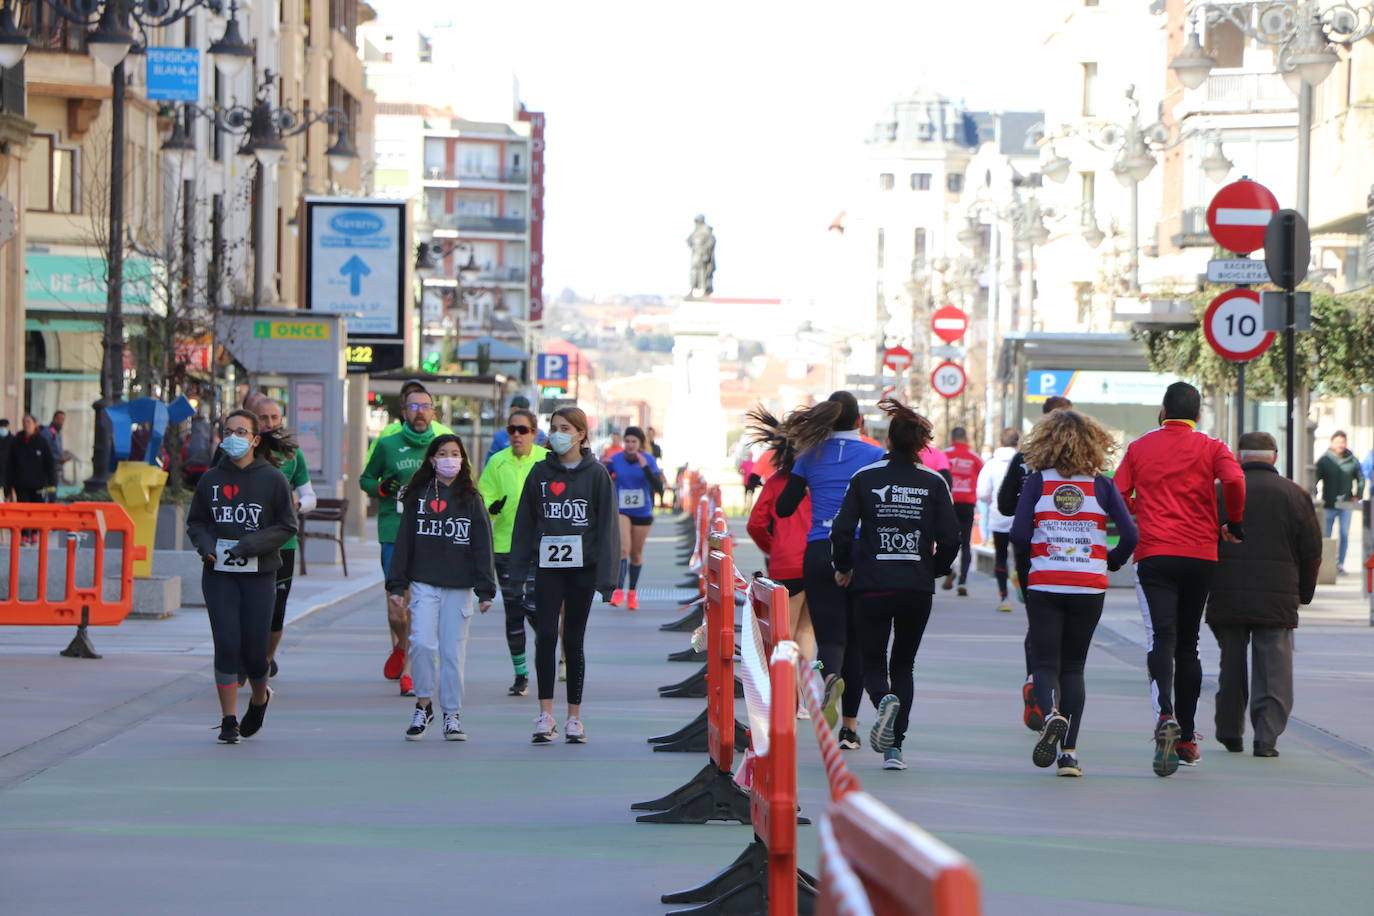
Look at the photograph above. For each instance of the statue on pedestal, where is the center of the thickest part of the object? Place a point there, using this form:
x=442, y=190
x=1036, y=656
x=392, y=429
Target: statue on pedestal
x=702, y=241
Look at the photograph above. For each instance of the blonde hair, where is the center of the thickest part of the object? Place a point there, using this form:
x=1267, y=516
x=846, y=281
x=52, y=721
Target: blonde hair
x=1071, y=443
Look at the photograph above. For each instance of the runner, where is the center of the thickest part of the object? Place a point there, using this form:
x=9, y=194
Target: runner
x=1061, y=524
x=964, y=466
x=1169, y=480
x=242, y=512
x=782, y=540
x=999, y=525
x=303, y=495
x=395, y=426
x=394, y=459
x=443, y=555
x=657, y=451
x=502, y=481
x=637, y=477
x=566, y=528
x=501, y=438
x=829, y=450
x=899, y=508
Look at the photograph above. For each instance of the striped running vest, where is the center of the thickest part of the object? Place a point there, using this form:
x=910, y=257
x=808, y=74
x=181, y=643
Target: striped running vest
x=1069, y=545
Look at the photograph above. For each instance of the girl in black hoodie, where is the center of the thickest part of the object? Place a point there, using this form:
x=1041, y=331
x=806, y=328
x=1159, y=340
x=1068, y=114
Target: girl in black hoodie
x=240, y=515
x=443, y=554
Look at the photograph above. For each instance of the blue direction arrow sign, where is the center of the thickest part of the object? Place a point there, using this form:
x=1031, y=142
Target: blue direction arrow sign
x=355, y=269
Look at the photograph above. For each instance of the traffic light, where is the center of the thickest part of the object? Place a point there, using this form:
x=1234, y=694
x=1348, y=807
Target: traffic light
x=431, y=363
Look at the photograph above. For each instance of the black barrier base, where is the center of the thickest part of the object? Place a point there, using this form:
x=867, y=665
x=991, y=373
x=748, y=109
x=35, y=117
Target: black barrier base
x=695, y=617
x=695, y=687
x=687, y=655
x=741, y=889
x=81, y=646
x=698, y=723
x=690, y=582
x=710, y=795
x=693, y=739
x=754, y=857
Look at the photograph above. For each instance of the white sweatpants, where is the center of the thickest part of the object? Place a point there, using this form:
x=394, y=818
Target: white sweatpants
x=439, y=619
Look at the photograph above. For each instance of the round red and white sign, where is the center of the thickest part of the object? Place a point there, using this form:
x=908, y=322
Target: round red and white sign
x=1234, y=327
x=948, y=380
x=898, y=359
x=1239, y=214
x=949, y=323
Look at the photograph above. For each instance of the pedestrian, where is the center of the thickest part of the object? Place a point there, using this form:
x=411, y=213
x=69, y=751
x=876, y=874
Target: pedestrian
x=908, y=536
x=394, y=460
x=637, y=477
x=501, y=439
x=6, y=445
x=269, y=415
x=502, y=482
x=782, y=540
x=566, y=527
x=1008, y=495
x=1168, y=478
x=395, y=426
x=1342, y=485
x=657, y=451
x=999, y=525
x=443, y=557
x=964, y=466
x=1061, y=524
x=32, y=471
x=52, y=433
x=613, y=447
x=1253, y=605
x=985, y=500
x=241, y=515
x=829, y=450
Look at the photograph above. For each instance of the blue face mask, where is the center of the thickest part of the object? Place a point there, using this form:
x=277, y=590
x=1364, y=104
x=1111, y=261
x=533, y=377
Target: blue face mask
x=236, y=446
x=561, y=443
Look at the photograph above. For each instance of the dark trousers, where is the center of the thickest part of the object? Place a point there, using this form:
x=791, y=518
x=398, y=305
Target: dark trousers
x=1172, y=593
x=1061, y=632
x=284, y=576
x=832, y=617
x=518, y=609
x=902, y=616
x=240, y=610
x=570, y=590
x=1268, y=688
x=1001, y=543
x=964, y=513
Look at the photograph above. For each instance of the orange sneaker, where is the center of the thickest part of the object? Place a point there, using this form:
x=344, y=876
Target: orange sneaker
x=618, y=597
x=632, y=600
x=395, y=664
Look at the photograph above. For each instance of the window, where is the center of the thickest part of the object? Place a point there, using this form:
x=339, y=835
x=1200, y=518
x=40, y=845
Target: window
x=343, y=16
x=340, y=98
x=1088, y=185
x=882, y=246
x=1090, y=90
x=955, y=183
x=215, y=275
x=918, y=249
x=1090, y=2
x=885, y=181
x=920, y=181
x=1226, y=44
x=50, y=179
x=49, y=30
x=1083, y=296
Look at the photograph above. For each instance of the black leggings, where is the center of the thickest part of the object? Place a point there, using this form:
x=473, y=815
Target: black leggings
x=904, y=615
x=1061, y=632
x=240, y=609
x=832, y=617
x=1001, y=542
x=964, y=513
x=571, y=590
x=288, y=567
x=518, y=610
x=1172, y=593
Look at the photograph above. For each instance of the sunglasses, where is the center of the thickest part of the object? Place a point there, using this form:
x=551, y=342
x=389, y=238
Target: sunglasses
x=518, y=430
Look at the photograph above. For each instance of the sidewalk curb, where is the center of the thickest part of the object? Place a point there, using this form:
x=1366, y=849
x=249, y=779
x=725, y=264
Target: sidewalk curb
x=342, y=592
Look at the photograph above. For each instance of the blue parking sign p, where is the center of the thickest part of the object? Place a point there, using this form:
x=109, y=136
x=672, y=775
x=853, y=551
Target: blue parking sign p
x=553, y=367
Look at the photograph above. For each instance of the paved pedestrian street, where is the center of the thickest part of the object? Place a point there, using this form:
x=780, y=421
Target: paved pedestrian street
x=136, y=809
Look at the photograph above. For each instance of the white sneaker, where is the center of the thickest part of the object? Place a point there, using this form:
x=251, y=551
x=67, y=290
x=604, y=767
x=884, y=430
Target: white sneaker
x=803, y=712
x=574, y=731
x=544, y=729
x=453, y=729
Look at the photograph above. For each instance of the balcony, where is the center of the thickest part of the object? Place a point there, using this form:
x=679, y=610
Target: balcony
x=1193, y=232
x=448, y=225
x=438, y=174
x=1227, y=93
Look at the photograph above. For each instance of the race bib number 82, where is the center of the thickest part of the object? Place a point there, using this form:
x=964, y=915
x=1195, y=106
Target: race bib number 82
x=632, y=499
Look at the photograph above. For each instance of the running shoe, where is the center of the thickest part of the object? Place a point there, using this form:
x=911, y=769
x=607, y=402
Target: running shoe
x=1265, y=750
x=252, y=719
x=229, y=730
x=632, y=600
x=1047, y=748
x=1167, y=734
x=892, y=759
x=1188, y=753
x=830, y=699
x=1004, y=606
x=407, y=686
x=849, y=740
x=521, y=687
x=883, y=732
x=574, y=732
x=803, y=713
x=1068, y=765
x=419, y=722
x=544, y=729
x=453, y=729
x=949, y=582
x=1031, y=715
x=963, y=591
x=395, y=664
x=618, y=597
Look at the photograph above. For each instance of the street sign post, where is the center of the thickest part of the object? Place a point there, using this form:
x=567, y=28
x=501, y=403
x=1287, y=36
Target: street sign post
x=949, y=323
x=1239, y=214
x=950, y=352
x=1287, y=252
x=898, y=359
x=948, y=380
x=1241, y=271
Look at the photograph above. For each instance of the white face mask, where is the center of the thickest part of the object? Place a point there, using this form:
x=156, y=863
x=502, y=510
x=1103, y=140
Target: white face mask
x=561, y=442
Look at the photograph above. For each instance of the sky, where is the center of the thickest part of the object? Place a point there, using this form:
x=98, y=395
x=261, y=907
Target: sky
x=751, y=112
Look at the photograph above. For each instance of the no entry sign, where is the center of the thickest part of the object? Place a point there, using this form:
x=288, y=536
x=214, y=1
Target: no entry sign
x=948, y=380
x=949, y=323
x=1239, y=214
x=1234, y=327
x=898, y=359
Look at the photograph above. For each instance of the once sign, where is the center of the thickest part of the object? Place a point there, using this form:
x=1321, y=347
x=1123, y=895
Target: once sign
x=948, y=380
x=1239, y=214
x=1234, y=326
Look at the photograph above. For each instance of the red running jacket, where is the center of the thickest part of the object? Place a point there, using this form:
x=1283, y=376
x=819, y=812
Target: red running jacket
x=1169, y=480
x=782, y=539
x=964, y=466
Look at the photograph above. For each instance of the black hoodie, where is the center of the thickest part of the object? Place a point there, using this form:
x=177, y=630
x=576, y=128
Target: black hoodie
x=559, y=501
x=443, y=541
x=250, y=505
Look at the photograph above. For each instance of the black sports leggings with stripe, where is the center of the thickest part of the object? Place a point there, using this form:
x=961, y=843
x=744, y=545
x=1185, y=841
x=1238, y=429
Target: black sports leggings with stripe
x=832, y=617
x=240, y=610
x=903, y=616
x=571, y=590
x=1061, y=632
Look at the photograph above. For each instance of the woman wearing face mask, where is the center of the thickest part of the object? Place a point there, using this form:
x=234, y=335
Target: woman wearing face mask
x=241, y=514
x=637, y=478
x=443, y=554
x=567, y=528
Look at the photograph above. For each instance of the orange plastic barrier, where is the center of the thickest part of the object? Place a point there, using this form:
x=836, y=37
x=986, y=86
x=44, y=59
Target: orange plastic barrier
x=720, y=645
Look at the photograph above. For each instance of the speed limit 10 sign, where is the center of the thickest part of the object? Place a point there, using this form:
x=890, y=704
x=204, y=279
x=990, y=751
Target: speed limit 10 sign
x=1234, y=327
x=948, y=380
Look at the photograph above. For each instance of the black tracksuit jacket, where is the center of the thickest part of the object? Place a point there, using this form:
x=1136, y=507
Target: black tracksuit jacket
x=565, y=501
x=444, y=541
x=250, y=505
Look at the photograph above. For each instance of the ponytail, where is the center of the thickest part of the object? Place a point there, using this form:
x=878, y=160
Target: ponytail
x=907, y=431
x=768, y=431
x=808, y=427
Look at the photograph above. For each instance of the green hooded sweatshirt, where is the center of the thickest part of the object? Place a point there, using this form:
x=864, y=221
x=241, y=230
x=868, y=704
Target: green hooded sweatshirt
x=394, y=459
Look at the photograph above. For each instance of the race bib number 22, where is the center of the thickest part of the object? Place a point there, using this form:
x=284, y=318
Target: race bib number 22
x=563, y=552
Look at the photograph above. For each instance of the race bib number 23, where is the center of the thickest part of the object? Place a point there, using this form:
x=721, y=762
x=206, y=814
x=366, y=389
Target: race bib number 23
x=226, y=563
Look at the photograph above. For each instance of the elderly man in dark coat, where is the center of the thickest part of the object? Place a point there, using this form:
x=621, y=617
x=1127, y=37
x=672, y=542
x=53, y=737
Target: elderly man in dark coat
x=1253, y=606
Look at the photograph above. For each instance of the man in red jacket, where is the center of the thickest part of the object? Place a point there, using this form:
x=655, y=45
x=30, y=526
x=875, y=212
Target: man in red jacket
x=1169, y=480
x=964, y=466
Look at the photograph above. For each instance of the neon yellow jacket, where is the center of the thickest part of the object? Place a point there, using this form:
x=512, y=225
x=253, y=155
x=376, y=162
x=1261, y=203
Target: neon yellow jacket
x=504, y=478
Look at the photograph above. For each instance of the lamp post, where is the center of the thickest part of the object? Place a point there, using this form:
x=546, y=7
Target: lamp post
x=427, y=258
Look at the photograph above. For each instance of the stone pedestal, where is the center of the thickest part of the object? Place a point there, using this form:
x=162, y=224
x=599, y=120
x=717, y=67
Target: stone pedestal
x=185, y=566
x=171, y=528
x=695, y=421
x=156, y=597
x=1326, y=574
